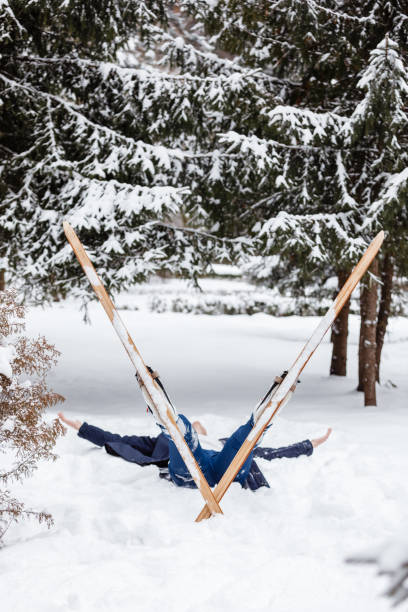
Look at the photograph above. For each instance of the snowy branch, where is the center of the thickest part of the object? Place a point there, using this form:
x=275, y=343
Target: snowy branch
x=337, y=14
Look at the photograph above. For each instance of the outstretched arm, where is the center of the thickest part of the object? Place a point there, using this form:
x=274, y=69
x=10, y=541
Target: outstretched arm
x=318, y=441
x=74, y=424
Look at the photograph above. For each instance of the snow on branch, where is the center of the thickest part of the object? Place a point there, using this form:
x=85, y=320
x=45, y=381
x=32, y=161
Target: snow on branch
x=305, y=126
x=127, y=74
x=140, y=150
x=265, y=151
x=238, y=24
x=393, y=193
x=9, y=22
x=262, y=150
x=347, y=199
x=196, y=249
x=101, y=199
x=385, y=81
x=315, y=6
x=385, y=61
x=195, y=60
x=307, y=230
x=200, y=233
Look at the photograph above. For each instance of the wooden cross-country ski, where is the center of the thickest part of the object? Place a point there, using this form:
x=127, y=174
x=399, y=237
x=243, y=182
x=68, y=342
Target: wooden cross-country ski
x=160, y=405
x=276, y=401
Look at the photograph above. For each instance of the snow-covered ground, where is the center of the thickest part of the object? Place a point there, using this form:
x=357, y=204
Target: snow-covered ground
x=125, y=540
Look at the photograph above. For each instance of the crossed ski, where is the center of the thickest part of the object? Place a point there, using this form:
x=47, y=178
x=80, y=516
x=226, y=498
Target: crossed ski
x=155, y=396
x=282, y=394
x=276, y=398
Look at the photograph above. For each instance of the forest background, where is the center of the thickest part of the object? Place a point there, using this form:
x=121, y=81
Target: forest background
x=175, y=135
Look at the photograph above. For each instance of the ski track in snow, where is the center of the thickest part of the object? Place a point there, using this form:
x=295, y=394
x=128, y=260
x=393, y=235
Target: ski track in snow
x=125, y=540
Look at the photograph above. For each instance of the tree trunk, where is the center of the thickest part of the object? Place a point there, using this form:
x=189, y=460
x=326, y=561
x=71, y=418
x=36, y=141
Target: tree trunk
x=2, y=280
x=384, y=309
x=338, y=366
x=367, y=353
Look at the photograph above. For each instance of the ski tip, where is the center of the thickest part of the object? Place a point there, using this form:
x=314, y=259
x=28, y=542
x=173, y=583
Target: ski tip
x=70, y=235
x=69, y=232
x=378, y=240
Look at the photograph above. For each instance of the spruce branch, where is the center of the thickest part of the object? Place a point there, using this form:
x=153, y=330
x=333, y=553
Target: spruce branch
x=190, y=230
x=338, y=15
x=149, y=74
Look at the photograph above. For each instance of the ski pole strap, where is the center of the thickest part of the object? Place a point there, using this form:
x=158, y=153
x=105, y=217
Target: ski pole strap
x=277, y=381
x=155, y=375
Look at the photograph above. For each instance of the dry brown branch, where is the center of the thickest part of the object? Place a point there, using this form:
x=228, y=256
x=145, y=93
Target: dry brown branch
x=25, y=436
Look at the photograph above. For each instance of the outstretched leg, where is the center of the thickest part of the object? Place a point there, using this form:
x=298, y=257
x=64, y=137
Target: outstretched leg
x=179, y=473
x=222, y=460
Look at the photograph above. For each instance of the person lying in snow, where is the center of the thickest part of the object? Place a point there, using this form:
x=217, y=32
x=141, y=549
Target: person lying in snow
x=213, y=456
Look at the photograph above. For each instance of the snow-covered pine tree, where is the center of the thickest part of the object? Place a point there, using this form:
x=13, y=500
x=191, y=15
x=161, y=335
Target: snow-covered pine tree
x=380, y=124
x=67, y=151
x=98, y=143
x=296, y=178
x=243, y=104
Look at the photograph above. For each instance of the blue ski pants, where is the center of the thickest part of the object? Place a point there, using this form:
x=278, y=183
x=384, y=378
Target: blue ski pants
x=213, y=463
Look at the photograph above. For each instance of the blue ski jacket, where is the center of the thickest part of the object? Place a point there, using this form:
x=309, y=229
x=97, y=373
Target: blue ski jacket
x=146, y=450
